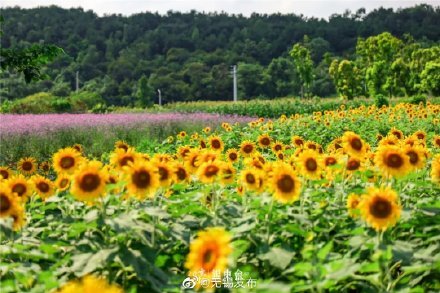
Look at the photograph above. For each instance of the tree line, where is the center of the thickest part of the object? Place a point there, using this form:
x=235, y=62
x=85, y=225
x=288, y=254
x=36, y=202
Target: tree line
x=188, y=55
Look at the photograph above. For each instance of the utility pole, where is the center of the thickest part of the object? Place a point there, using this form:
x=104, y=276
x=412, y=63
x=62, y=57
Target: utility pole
x=77, y=81
x=234, y=74
x=160, y=97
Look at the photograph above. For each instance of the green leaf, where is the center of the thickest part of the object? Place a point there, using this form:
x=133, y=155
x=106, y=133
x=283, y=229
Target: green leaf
x=278, y=257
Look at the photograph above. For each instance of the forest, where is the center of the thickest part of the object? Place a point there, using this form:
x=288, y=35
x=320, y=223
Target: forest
x=123, y=60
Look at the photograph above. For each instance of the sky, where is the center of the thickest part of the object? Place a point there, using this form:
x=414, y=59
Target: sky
x=309, y=8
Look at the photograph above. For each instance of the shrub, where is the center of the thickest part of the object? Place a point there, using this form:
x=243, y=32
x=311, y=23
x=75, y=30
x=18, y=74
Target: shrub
x=380, y=100
x=417, y=99
x=83, y=101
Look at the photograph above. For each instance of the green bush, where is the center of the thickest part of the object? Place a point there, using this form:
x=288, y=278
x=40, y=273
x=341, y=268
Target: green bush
x=83, y=101
x=37, y=103
x=417, y=99
x=381, y=100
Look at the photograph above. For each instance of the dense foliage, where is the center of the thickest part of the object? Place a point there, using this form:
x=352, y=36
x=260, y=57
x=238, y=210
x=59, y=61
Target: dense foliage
x=188, y=55
x=304, y=205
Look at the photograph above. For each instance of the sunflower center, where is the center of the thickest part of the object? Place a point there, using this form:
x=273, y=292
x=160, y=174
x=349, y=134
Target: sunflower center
x=265, y=141
x=4, y=174
x=43, y=186
x=216, y=144
x=250, y=178
x=27, y=166
x=420, y=136
x=248, y=149
x=233, y=156
x=211, y=170
x=124, y=161
x=354, y=204
x=5, y=203
x=353, y=165
x=163, y=173
x=185, y=152
x=356, y=144
x=277, y=147
x=64, y=182
x=19, y=188
x=397, y=134
x=394, y=161
x=413, y=157
x=311, y=164
x=141, y=178
x=381, y=208
x=330, y=161
x=67, y=162
x=286, y=183
x=227, y=173
x=209, y=258
x=299, y=142
x=112, y=180
x=90, y=182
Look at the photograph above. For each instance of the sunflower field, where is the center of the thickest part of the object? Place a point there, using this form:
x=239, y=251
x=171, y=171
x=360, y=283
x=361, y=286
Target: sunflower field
x=342, y=200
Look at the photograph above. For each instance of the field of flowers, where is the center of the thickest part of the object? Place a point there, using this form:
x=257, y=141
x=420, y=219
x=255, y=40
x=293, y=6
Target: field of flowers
x=342, y=201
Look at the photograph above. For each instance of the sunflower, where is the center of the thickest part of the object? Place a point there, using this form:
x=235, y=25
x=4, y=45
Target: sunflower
x=44, y=167
x=27, y=166
x=183, y=151
x=121, y=158
x=142, y=179
x=435, y=142
x=297, y=141
x=216, y=143
x=354, y=145
x=19, y=217
x=89, y=284
x=389, y=140
x=120, y=144
x=208, y=172
x=78, y=147
x=8, y=202
x=43, y=186
x=207, y=129
x=252, y=179
x=420, y=135
x=209, y=253
x=202, y=143
x=5, y=172
x=208, y=156
x=310, y=164
x=330, y=160
x=165, y=172
x=62, y=182
x=181, y=134
x=88, y=182
x=264, y=140
x=416, y=155
x=67, y=160
x=232, y=155
x=180, y=173
x=254, y=162
x=353, y=164
x=435, y=171
x=353, y=201
x=20, y=186
x=192, y=161
x=396, y=132
x=392, y=161
x=247, y=148
x=380, y=208
x=227, y=173
x=285, y=184
x=277, y=146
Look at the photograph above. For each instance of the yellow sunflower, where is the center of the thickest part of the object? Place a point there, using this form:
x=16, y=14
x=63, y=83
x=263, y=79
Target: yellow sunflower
x=27, y=166
x=216, y=143
x=90, y=284
x=120, y=144
x=19, y=217
x=247, y=148
x=180, y=173
x=396, y=132
x=380, y=208
x=5, y=172
x=8, y=202
x=252, y=179
x=43, y=186
x=88, y=182
x=192, y=161
x=264, y=140
x=209, y=253
x=78, y=147
x=183, y=151
x=232, y=155
x=420, y=135
x=310, y=164
x=277, y=146
x=435, y=141
x=435, y=171
x=227, y=173
x=297, y=141
x=209, y=172
x=44, y=167
x=121, y=158
x=353, y=164
x=67, y=160
x=142, y=179
x=165, y=172
x=416, y=155
x=392, y=161
x=354, y=145
x=285, y=184
x=62, y=182
x=20, y=186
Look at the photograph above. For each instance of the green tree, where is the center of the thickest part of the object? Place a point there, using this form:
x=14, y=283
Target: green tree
x=347, y=78
x=430, y=77
x=304, y=67
x=145, y=93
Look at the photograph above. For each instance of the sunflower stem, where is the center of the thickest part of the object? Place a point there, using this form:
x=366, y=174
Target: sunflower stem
x=268, y=221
